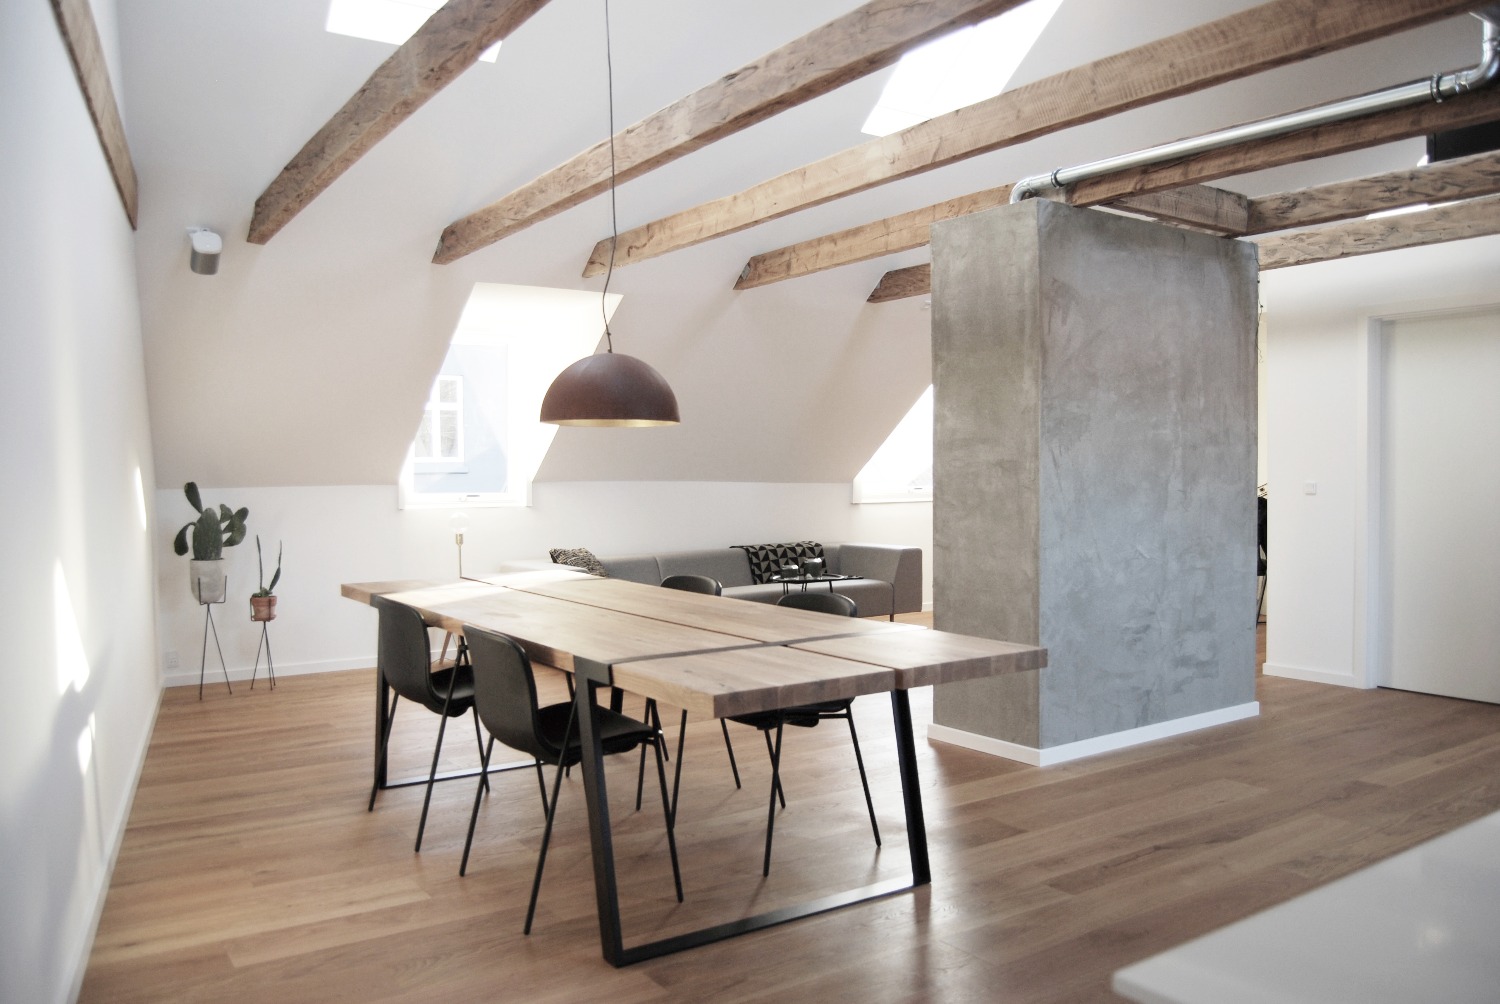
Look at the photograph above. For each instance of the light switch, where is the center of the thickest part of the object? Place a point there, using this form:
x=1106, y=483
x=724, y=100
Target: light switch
x=1309, y=488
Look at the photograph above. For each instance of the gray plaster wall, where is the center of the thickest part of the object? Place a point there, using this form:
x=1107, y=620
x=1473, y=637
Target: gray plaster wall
x=1094, y=466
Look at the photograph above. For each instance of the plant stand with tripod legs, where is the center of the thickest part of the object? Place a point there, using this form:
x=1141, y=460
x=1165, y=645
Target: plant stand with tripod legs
x=208, y=624
x=265, y=643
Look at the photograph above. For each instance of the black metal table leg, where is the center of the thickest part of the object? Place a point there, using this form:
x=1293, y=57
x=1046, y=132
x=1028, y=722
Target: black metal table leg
x=911, y=790
x=589, y=676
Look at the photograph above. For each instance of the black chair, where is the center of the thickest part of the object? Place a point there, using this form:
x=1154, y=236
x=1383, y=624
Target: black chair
x=709, y=587
x=404, y=660
x=505, y=700
x=807, y=716
x=1260, y=558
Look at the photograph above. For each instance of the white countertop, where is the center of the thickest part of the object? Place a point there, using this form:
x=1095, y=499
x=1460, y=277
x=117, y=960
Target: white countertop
x=1423, y=926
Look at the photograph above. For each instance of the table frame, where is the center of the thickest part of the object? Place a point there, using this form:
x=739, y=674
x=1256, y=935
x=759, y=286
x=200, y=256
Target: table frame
x=589, y=676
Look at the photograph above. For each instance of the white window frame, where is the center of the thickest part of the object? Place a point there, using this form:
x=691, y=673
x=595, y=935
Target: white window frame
x=435, y=408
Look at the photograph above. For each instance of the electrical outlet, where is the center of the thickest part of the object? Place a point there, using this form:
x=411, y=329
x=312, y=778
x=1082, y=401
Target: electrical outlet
x=169, y=659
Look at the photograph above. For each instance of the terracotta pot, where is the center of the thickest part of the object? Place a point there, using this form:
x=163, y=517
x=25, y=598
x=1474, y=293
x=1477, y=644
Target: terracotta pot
x=263, y=608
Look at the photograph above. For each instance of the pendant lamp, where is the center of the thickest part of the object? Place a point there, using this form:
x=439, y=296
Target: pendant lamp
x=610, y=389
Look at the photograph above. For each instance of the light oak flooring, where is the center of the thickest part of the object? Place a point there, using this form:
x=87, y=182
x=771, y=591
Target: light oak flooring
x=251, y=871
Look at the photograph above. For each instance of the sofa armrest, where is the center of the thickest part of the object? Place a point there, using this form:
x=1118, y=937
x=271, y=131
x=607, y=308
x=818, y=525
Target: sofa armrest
x=900, y=566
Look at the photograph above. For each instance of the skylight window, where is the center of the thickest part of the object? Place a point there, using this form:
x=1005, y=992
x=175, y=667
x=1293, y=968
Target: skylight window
x=392, y=21
x=959, y=69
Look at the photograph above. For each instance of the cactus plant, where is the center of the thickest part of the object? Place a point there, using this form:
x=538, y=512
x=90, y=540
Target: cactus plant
x=264, y=589
x=212, y=531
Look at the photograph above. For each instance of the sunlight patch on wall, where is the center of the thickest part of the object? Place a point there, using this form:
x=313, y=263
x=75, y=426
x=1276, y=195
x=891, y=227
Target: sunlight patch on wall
x=509, y=344
x=72, y=660
x=901, y=470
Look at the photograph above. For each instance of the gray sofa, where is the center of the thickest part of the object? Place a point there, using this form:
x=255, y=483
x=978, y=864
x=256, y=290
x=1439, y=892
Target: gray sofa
x=891, y=580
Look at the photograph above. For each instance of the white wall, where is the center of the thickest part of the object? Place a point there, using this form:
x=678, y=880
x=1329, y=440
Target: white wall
x=1321, y=610
x=79, y=618
x=350, y=534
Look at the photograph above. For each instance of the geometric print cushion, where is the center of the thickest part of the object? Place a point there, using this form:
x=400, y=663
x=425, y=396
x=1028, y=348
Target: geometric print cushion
x=578, y=557
x=766, y=559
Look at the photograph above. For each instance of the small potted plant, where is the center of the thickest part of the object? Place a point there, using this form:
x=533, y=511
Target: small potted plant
x=211, y=532
x=263, y=600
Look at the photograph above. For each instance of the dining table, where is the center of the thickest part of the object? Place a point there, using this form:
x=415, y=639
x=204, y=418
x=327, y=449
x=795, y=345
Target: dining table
x=710, y=656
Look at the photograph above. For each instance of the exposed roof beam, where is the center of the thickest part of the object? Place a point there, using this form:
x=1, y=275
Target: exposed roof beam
x=846, y=48
x=1355, y=134
x=1309, y=144
x=1198, y=206
x=900, y=283
x=451, y=40
x=1212, y=209
x=1460, y=178
x=75, y=19
x=872, y=240
x=1456, y=222
x=1270, y=35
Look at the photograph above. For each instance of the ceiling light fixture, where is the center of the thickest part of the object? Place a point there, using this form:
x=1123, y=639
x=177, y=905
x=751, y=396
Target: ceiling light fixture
x=610, y=389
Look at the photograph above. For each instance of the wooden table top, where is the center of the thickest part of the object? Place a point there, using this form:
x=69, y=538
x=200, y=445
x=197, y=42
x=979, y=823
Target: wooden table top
x=708, y=654
x=762, y=622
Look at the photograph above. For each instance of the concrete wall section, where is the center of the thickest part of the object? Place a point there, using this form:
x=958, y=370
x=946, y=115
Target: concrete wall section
x=1095, y=465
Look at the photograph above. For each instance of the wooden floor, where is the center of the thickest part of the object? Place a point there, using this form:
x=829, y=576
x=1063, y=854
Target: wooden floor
x=251, y=871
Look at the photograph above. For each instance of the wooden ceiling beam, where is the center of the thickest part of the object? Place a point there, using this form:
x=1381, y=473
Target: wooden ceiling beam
x=1460, y=178
x=849, y=47
x=1201, y=207
x=1342, y=137
x=1308, y=144
x=75, y=20
x=1272, y=34
x=872, y=240
x=1455, y=222
x=451, y=40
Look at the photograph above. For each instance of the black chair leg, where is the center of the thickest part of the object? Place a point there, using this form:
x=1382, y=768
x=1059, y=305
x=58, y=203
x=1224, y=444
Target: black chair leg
x=541, y=859
x=669, y=809
x=484, y=772
x=729, y=748
x=432, y=774
x=775, y=779
x=869, y=803
x=385, y=743
x=765, y=869
x=479, y=789
x=541, y=783
x=640, y=775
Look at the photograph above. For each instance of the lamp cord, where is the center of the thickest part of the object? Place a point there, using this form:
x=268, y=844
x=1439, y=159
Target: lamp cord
x=614, y=221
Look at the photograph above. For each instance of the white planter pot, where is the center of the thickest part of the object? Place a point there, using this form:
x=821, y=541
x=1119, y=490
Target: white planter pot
x=207, y=580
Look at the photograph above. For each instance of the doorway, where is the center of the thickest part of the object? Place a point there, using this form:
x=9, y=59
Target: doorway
x=1439, y=501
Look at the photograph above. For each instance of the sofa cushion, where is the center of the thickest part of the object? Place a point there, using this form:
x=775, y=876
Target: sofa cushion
x=578, y=557
x=766, y=559
x=635, y=568
x=724, y=564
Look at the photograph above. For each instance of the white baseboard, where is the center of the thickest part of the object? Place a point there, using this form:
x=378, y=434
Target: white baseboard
x=107, y=873
x=213, y=674
x=1313, y=675
x=1090, y=747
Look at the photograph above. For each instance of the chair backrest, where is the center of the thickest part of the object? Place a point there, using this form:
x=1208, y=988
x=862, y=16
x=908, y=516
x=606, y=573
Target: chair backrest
x=505, y=692
x=693, y=584
x=821, y=602
x=405, y=656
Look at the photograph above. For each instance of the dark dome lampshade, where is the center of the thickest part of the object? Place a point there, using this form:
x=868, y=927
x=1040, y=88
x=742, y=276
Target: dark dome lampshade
x=610, y=389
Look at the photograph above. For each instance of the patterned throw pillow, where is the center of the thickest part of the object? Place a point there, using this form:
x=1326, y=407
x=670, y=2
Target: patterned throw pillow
x=579, y=557
x=766, y=559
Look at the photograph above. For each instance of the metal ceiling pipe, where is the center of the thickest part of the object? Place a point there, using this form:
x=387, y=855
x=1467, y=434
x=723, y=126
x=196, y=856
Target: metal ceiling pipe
x=1439, y=87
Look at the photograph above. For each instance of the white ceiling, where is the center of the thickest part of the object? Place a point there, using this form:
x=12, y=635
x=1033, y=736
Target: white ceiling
x=305, y=361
